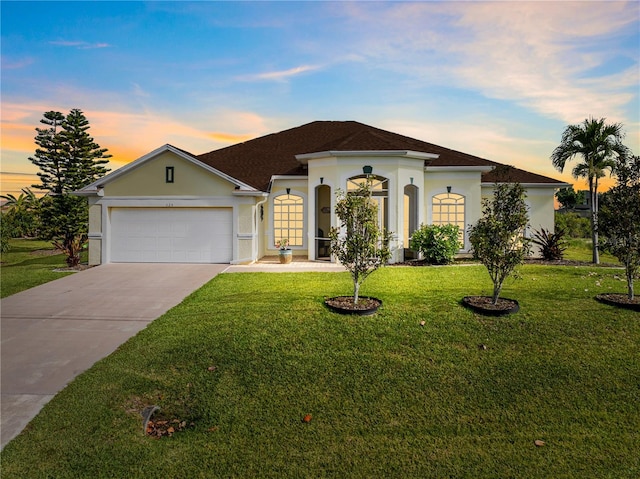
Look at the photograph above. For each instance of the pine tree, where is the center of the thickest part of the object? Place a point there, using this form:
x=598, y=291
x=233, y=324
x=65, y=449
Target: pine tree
x=68, y=159
x=68, y=156
x=83, y=156
x=48, y=156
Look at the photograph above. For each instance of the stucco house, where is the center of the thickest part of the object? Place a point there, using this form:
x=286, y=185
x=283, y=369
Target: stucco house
x=232, y=205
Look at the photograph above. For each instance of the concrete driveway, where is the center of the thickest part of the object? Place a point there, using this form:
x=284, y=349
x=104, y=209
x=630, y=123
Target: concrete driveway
x=53, y=332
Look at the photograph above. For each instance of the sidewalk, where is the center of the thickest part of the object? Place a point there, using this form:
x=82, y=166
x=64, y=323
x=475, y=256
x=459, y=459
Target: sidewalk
x=271, y=264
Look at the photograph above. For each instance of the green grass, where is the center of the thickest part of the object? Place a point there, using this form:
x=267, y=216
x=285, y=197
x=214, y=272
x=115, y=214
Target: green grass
x=579, y=249
x=23, y=267
x=389, y=398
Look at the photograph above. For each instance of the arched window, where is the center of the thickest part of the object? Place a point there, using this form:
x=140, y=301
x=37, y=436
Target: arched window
x=448, y=208
x=288, y=219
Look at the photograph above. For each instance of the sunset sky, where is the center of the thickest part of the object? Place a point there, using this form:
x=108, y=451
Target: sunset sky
x=500, y=80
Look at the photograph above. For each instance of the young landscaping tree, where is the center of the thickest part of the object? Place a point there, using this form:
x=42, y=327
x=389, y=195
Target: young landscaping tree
x=437, y=243
x=68, y=159
x=498, y=237
x=619, y=219
x=360, y=244
x=599, y=144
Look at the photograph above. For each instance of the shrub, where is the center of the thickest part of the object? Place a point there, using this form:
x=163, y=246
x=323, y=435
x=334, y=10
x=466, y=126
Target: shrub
x=5, y=234
x=574, y=225
x=437, y=243
x=72, y=246
x=552, y=245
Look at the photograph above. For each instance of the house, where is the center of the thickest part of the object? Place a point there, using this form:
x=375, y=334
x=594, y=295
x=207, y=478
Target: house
x=232, y=205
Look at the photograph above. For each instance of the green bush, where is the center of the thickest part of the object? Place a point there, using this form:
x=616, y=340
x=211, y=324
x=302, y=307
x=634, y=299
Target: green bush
x=20, y=223
x=5, y=234
x=437, y=243
x=573, y=224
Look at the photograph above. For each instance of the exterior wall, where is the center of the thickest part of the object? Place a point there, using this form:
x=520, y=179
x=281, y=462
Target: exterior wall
x=297, y=186
x=95, y=231
x=540, y=202
x=148, y=179
x=335, y=172
x=462, y=183
x=541, y=208
x=247, y=235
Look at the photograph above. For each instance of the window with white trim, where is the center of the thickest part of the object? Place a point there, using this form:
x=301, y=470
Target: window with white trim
x=288, y=219
x=448, y=209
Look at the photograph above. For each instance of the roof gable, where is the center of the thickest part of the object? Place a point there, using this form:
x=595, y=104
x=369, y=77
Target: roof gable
x=185, y=155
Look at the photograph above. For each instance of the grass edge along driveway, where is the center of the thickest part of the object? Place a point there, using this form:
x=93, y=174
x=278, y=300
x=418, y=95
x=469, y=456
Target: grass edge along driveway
x=244, y=359
x=29, y=263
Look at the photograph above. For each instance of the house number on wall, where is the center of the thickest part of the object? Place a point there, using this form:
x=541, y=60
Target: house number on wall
x=169, y=205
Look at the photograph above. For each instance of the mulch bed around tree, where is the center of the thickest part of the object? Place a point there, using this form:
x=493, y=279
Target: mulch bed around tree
x=484, y=305
x=345, y=305
x=620, y=300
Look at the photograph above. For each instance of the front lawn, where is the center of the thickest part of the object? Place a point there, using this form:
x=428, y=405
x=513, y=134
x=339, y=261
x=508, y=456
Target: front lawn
x=243, y=360
x=580, y=249
x=29, y=263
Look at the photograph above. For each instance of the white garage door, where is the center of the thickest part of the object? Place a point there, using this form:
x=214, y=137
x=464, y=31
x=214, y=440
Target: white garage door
x=171, y=235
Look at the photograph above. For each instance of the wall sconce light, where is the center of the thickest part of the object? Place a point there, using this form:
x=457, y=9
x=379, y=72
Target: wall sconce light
x=448, y=189
x=321, y=180
x=367, y=170
x=411, y=179
x=288, y=191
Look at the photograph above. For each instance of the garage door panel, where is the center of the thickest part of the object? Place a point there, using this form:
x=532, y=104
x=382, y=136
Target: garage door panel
x=171, y=235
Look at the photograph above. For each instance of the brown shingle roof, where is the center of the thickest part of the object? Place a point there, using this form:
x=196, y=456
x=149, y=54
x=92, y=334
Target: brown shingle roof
x=255, y=161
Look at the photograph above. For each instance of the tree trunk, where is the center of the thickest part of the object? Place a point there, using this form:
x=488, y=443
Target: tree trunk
x=630, y=283
x=356, y=291
x=496, y=292
x=593, y=193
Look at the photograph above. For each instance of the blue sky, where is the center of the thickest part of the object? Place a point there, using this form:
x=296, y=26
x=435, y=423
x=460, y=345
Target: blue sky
x=499, y=80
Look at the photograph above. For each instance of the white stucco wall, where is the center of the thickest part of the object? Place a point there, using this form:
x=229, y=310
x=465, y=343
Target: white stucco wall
x=297, y=186
x=335, y=173
x=540, y=206
x=465, y=183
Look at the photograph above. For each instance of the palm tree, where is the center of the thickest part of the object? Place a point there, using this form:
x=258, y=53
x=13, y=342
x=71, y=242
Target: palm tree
x=22, y=212
x=599, y=144
x=23, y=202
